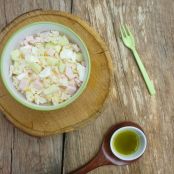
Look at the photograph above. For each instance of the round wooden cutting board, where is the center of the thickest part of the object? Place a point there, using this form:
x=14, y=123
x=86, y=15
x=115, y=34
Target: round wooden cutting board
x=86, y=107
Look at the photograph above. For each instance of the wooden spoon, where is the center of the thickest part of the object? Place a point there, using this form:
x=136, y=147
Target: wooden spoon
x=105, y=155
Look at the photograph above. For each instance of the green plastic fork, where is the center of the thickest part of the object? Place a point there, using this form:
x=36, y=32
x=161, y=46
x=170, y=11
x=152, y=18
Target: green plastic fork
x=129, y=42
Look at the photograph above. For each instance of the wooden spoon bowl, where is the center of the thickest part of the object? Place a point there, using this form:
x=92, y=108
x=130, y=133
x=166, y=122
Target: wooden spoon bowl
x=105, y=155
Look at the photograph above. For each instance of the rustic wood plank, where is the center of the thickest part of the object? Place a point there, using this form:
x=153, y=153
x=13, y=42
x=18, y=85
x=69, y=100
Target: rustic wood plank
x=20, y=153
x=15, y=8
x=152, y=23
x=6, y=129
x=36, y=155
x=6, y=145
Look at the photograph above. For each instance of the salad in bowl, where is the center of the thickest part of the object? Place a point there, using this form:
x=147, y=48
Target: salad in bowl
x=45, y=66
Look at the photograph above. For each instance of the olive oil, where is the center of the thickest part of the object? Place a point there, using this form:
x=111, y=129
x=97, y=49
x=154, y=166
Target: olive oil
x=126, y=142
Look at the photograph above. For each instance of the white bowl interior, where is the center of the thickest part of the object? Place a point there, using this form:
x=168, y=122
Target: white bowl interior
x=13, y=43
x=140, y=150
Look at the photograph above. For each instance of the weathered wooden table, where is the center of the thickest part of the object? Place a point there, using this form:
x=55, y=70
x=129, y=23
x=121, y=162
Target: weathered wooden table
x=152, y=22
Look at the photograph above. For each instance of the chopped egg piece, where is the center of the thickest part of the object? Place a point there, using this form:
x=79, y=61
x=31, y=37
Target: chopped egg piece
x=67, y=53
x=21, y=76
x=81, y=71
x=45, y=73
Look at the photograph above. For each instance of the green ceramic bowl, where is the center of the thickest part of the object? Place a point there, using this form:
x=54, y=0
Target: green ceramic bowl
x=14, y=41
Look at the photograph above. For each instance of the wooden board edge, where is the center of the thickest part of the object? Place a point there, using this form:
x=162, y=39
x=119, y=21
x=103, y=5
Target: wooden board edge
x=94, y=116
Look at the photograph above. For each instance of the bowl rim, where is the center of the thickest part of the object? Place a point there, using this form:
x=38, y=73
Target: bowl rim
x=41, y=107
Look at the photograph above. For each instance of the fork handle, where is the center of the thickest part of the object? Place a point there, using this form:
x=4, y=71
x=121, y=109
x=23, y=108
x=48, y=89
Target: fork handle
x=147, y=80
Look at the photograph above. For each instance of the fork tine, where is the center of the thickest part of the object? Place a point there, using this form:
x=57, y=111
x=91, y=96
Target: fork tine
x=121, y=31
x=128, y=30
x=124, y=30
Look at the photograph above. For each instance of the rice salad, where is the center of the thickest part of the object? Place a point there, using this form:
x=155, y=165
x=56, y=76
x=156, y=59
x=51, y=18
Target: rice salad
x=47, y=68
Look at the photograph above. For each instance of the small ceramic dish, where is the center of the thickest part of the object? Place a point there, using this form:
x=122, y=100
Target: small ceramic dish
x=141, y=147
x=14, y=41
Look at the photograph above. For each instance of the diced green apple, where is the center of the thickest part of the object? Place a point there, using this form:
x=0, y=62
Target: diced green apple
x=51, y=61
x=63, y=41
x=57, y=48
x=61, y=67
x=50, y=90
x=35, y=67
x=50, y=45
x=15, y=55
x=79, y=57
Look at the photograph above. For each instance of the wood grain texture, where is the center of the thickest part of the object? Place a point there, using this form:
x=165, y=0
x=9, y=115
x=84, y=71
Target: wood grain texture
x=151, y=22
